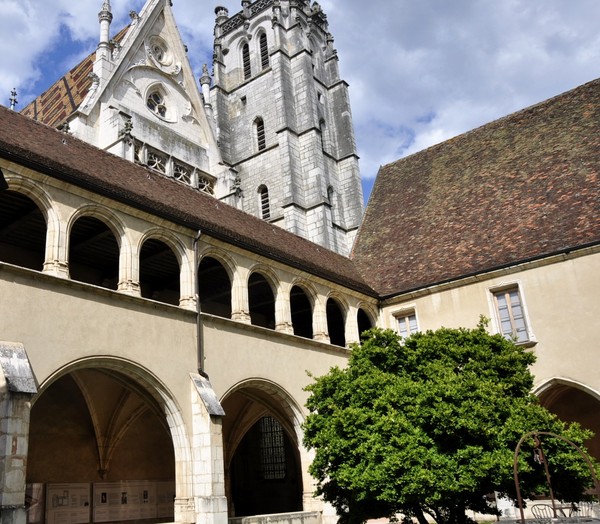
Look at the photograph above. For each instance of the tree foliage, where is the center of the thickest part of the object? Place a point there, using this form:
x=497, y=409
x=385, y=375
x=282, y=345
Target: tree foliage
x=428, y=426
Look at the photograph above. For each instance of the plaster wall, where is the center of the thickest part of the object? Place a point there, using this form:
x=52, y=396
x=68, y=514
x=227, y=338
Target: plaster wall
x=560, y=296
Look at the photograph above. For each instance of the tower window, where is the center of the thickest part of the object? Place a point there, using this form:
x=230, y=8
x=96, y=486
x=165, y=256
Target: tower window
x=260, y=134
x=265, y=207
x=246, y=61
x=264, y=51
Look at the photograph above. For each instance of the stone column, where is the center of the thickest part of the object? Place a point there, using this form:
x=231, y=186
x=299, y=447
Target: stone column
x=17, y=386
x=351, y=327
x=320, y=331
x=283, y=311
x=207, y=444
x=240, y=308
x=55, y=261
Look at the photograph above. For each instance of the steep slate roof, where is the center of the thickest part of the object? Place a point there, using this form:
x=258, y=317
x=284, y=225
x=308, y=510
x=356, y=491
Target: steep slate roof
x=61, y=100
x=62, y=156
x=523, y=187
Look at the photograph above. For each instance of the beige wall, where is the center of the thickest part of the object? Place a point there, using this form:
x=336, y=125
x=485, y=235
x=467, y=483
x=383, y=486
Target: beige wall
x=561, y=300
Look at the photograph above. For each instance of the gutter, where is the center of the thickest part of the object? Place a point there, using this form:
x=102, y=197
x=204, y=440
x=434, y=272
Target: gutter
x=199, y=326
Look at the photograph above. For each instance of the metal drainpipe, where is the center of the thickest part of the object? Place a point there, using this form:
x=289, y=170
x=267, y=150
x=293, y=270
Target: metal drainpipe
x=199, y=327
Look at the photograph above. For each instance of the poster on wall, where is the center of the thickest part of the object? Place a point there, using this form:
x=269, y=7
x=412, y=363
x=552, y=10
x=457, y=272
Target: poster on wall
x=35, y=503
x=127, y=500
x=68, y=503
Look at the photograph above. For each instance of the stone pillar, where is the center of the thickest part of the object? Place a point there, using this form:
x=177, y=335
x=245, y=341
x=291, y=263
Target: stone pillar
x=320, y=331
x=129, y=268
x=207, y=450
x=351, y=327
x=240, y=308
x=17, y=386
x=55, y=262
x=283, y=311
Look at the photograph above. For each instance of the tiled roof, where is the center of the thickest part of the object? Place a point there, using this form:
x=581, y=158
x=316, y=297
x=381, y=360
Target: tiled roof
x=523, y=187
x=59, y=102
x=64, y=157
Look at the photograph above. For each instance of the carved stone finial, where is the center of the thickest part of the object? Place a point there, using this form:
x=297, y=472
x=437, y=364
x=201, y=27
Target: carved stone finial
x=205, y=78
x=222, y=14
x=133, y=15
x=13, y=99
x=94, y=77
x=64, y=127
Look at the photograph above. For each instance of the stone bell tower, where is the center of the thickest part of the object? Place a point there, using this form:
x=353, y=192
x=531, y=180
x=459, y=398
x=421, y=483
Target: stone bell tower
x=283, y=120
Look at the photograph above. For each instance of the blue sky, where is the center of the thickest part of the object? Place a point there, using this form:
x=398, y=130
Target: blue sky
x=420, y=72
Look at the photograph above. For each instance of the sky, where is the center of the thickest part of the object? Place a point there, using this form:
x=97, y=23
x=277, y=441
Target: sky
x=420, y=71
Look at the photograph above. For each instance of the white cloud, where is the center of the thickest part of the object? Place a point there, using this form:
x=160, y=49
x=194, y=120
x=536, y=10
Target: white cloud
x=419, y=72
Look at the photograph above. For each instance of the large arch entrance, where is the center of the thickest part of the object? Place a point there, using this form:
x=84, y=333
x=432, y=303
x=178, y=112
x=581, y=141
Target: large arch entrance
x=100, y=450
x=263, y=471
x=572, y=402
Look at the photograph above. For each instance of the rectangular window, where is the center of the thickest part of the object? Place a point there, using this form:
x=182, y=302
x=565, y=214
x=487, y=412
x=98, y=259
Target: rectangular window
x=407, y=324
x=511, y=314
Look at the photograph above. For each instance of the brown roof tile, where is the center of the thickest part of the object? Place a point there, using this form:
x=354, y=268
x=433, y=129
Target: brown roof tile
x=64, y=157
x=522, y=187
x=63, y=98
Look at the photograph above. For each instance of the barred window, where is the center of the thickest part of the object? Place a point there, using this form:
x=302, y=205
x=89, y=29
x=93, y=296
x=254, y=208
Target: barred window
x=246, y=61
x=265, y=207
x=264, y=51
x=260, y=134
x=272, y=449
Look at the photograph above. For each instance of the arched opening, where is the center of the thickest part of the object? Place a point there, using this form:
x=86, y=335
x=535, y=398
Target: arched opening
x=572, y=404
x=364, y=321
x=214, y=288
x=264, y=51
x=259, y=127
x=246, y=61
x=261, y=301
x=99, y=444
x=93, y=253
x=265, y=205
x=22, y=231
x=159, y=272
x=262, y=459
x=302, y=314
x=335, y=323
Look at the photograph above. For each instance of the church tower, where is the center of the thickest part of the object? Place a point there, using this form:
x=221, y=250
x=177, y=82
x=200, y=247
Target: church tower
x=283, y=120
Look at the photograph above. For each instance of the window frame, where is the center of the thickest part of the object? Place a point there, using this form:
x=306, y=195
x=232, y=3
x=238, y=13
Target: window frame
x=504, y=290
x=406, y=314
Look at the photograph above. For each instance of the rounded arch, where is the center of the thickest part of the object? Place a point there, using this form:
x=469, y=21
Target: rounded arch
x=119, y=409
x=263, y=454
x=215, y=282
x=261, y=299
x=96, y=244
x=302, y=303
x=23, y=229
x=169, y=238
x=35, y=192
x=573, y=401
x=336, y=312
x=224, y=258
x=365, y=317
x=104, y=214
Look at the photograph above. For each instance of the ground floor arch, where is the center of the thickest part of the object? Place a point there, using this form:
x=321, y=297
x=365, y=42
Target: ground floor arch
x=262, y=450
x=105, y=433
x=574, y=402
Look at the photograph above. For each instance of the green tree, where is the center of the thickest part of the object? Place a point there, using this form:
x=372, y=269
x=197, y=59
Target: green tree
x=427, y=426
